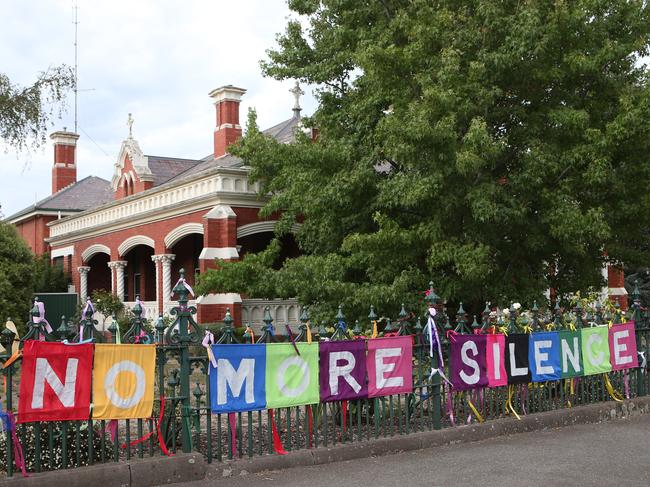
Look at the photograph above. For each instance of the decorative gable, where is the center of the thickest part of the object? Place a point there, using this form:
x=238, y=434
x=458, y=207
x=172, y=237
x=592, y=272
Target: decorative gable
x=132, y=173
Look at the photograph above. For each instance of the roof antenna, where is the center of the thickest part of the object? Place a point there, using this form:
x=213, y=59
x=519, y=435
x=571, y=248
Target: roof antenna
x=76, y=65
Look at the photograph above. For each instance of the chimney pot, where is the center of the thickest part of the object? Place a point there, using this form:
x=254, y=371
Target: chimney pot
x=226, y=100
x=64, y=170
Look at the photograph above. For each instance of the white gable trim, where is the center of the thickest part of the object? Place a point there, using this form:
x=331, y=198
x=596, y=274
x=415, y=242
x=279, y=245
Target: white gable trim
x=134, y=241
x=181, y=231
x=140, y=162
x=261, y=227
x=62, y=252
x=87, y=254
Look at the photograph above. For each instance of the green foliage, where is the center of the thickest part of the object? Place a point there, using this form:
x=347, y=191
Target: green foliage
x=49, y=278
x=25, y=111
x=478, y=144
x=107, y=303
x=16, y=277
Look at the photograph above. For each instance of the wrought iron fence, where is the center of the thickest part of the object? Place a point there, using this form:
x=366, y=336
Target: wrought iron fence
x=183, y=421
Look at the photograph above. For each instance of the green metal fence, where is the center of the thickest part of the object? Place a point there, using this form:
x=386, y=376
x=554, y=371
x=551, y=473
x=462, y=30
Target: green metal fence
x=183, y=389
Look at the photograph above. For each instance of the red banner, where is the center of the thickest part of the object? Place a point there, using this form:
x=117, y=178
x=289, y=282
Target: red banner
x=55, y=382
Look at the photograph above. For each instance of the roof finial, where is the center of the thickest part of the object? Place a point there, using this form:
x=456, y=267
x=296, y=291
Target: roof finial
x=129, y=123
x=297, y=92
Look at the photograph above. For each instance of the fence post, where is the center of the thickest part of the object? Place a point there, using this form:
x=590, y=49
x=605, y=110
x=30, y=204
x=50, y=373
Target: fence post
x=183, y=333
x=7, y=340
x=434, y=302
x=636, y=316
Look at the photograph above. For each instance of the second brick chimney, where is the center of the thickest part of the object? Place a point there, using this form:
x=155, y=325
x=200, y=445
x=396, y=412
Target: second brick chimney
x=226, y=100
x=64, y=171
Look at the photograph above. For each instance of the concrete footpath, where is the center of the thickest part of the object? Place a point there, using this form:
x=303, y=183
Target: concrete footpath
x=562, y=447
x=616, y=453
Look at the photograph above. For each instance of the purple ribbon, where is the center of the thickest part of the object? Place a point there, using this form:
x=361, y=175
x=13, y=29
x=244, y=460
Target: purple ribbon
x=89, y=305
x=41, y=316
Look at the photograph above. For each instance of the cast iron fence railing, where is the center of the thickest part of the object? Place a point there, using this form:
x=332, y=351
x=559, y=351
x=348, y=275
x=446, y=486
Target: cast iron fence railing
x=183, y=389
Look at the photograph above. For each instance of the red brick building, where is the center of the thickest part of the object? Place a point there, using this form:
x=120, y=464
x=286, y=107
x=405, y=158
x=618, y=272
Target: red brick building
x=157, y=215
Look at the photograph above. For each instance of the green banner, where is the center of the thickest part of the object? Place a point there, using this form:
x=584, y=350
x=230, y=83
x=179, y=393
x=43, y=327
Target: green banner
x=291, y=379
x=571, y=354
x=595, y=350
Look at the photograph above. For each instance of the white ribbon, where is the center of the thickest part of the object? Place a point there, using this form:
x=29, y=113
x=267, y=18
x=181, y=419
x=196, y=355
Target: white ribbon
x=644, y=361
x=433, y=333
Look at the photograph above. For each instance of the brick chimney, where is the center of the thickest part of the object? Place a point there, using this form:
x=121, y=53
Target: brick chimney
x=64, y=171
x=226, y=100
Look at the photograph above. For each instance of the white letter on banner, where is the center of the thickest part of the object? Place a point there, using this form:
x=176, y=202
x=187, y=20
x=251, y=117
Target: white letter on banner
x=514, y=370
x=598, y=359
x=542, y=356
x=621, y=347
x=381, y=368
x=227, y=376
x=65, y=392
x=140, y=384
x=470, y=362
x=337, y=371
x=496, y=358
x=282, y=370
x=570, y=354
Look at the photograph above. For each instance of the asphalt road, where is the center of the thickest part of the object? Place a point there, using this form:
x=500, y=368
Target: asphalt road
x=614, y=453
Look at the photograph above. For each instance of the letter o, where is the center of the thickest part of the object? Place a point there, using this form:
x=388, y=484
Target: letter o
x=282, y=370
x=140, y=384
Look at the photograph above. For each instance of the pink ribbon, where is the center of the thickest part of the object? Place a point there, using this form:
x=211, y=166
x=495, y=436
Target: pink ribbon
x=626, y=383
x=232, y=418
x=112, y=429
x=19, y=457
x=208, y=340
x=450, y=407
x=185, y=285
x=41, y=316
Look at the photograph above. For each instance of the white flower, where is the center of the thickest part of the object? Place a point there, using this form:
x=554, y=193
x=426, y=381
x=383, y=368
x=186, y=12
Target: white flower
x=506, y=312
x=517, y=306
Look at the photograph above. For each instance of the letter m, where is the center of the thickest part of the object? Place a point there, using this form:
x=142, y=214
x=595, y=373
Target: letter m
x=64, y=391
x=228, y=377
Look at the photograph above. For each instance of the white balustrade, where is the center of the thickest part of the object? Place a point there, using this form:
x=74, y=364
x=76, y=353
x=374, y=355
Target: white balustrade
x=283, y=311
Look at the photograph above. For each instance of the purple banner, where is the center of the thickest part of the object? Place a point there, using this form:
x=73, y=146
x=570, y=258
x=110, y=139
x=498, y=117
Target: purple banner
x=468, y=361
x=343, y=370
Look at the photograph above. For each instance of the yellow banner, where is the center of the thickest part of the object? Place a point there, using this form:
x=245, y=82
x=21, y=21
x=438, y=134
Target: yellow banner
x=123, y=381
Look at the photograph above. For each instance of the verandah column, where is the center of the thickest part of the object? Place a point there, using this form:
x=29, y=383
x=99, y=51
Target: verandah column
x=83, y=282
x=219, y=242
x=163, y=279
x=118, y=268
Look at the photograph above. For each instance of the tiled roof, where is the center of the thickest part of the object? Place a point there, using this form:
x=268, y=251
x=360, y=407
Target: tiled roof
x=284, y=132
x=89, y=192
x=166, y=168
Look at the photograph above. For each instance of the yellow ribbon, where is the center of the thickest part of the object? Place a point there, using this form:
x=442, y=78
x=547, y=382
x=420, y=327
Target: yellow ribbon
x=528, y=329
x=475, y=411
x=503, y=329
x=610, y=388
x=509, y=406
x=308, y=333
x=568, y=384
x=572, y=327
x=550, y=326
x=374, y=329
x=610, y=324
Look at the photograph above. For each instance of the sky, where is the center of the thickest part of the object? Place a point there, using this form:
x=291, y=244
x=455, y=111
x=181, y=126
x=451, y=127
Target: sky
x=155, y=59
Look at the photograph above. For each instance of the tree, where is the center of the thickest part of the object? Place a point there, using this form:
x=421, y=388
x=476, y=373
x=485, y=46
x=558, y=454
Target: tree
x=496, y=148
x=16, y=277
x=49, y=278
x=25, y=111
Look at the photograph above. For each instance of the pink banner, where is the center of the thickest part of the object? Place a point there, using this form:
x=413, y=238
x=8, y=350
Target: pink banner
x=390, y=366
x=622, y=346
x=496, y=367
